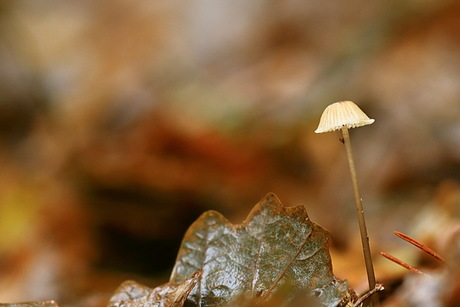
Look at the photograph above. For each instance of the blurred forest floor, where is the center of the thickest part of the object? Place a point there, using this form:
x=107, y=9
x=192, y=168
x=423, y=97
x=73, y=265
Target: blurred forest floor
x=122, y=121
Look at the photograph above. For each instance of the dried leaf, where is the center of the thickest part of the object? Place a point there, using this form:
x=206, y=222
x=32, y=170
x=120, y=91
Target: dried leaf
x=274, y=249
x=132, y=294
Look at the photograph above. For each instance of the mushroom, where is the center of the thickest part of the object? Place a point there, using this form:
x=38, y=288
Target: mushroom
x=344, y=115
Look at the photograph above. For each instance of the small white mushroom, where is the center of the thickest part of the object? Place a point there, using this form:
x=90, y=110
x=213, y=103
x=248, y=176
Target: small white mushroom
x=340, y=114
x=344, y=115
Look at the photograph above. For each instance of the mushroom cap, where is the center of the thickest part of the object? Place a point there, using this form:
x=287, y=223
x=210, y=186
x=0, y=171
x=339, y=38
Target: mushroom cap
x=342, y=113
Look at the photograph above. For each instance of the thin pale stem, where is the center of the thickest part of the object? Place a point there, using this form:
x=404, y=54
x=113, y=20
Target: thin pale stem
x=361, y=220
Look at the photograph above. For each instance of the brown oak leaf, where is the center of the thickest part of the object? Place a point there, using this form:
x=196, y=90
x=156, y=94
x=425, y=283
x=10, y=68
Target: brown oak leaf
x=274, y=249
x=133, y=294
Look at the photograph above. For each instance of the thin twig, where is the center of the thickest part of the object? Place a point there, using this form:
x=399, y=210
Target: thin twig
x=424, y=248
x=377, y=288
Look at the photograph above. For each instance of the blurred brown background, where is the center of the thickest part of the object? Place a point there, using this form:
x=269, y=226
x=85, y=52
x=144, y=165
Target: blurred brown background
x=122, y=121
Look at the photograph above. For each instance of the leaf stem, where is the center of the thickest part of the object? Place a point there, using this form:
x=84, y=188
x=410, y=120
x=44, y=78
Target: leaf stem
x=361, y=220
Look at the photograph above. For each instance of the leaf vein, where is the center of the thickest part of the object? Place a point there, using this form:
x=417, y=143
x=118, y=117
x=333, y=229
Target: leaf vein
x=278, y=278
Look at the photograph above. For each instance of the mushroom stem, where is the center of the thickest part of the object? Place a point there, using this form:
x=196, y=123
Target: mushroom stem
x=361, y=220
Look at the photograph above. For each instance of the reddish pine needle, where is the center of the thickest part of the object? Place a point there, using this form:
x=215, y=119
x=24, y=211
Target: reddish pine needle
x=424, y=248
x=401, y=263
